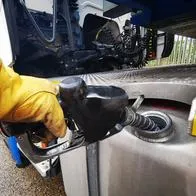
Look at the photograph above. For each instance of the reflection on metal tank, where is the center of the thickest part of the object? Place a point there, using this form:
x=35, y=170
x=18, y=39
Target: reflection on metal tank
x=125, y=165
x=131, y=166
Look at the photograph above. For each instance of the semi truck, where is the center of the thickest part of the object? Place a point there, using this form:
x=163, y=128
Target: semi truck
x=131, y=126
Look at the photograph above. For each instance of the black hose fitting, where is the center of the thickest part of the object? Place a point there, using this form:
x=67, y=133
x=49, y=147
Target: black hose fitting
x=136, y=120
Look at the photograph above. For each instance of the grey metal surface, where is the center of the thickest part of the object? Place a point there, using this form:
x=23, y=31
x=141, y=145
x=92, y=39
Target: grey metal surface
x=173, y=82
x=92, y=169
x=131, y=166
x=74, y=171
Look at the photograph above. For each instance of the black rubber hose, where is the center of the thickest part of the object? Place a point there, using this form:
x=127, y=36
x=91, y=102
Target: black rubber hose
x=136, y=120
x=39, y=32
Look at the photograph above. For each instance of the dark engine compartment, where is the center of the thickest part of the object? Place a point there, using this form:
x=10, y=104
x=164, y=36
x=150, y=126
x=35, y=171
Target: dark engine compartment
x=35, y=56
x=53, y=44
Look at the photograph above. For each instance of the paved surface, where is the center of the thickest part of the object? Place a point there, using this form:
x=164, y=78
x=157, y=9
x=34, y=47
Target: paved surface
x=23, y=182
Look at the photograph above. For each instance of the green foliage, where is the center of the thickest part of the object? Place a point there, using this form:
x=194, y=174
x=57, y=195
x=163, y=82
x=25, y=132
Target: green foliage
x=184, y=52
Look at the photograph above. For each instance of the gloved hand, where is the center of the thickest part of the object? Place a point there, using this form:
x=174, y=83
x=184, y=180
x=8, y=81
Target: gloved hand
x=29, y=99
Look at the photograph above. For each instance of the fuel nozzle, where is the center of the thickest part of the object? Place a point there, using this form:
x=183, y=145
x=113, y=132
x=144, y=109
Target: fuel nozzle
x=72, y=88
x=139, y=121
x=150, y=126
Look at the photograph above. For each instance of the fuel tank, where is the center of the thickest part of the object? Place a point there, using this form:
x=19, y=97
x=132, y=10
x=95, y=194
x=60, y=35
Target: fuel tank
x=126, y=164
x=131, y=166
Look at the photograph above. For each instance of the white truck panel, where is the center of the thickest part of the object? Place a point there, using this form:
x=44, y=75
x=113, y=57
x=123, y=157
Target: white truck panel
x=5, y=44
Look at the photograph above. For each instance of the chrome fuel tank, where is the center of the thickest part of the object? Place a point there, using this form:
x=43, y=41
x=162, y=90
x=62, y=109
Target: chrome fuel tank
x=131, y=166
x=128, y=166
x=124, y=165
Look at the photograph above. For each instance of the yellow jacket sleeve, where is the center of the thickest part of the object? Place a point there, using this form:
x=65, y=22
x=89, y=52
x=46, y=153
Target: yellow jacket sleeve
x=30, y=99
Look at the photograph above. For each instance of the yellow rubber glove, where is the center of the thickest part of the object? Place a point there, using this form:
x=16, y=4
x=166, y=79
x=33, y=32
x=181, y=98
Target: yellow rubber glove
x=30, y=99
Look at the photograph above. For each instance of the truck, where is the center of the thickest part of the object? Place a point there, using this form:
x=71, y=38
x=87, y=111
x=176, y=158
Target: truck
x=132, y=127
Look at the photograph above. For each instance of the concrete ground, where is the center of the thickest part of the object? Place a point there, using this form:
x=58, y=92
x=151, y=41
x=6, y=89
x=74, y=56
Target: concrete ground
x=27, y=181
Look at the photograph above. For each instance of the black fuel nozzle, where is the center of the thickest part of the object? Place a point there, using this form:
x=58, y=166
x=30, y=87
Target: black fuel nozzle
x=72, y=89
x=139, y=121
x=132, y=118
x=94, y=109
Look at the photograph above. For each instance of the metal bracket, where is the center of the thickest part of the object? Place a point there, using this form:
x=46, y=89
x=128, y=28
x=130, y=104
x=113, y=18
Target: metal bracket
x=92, y=169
